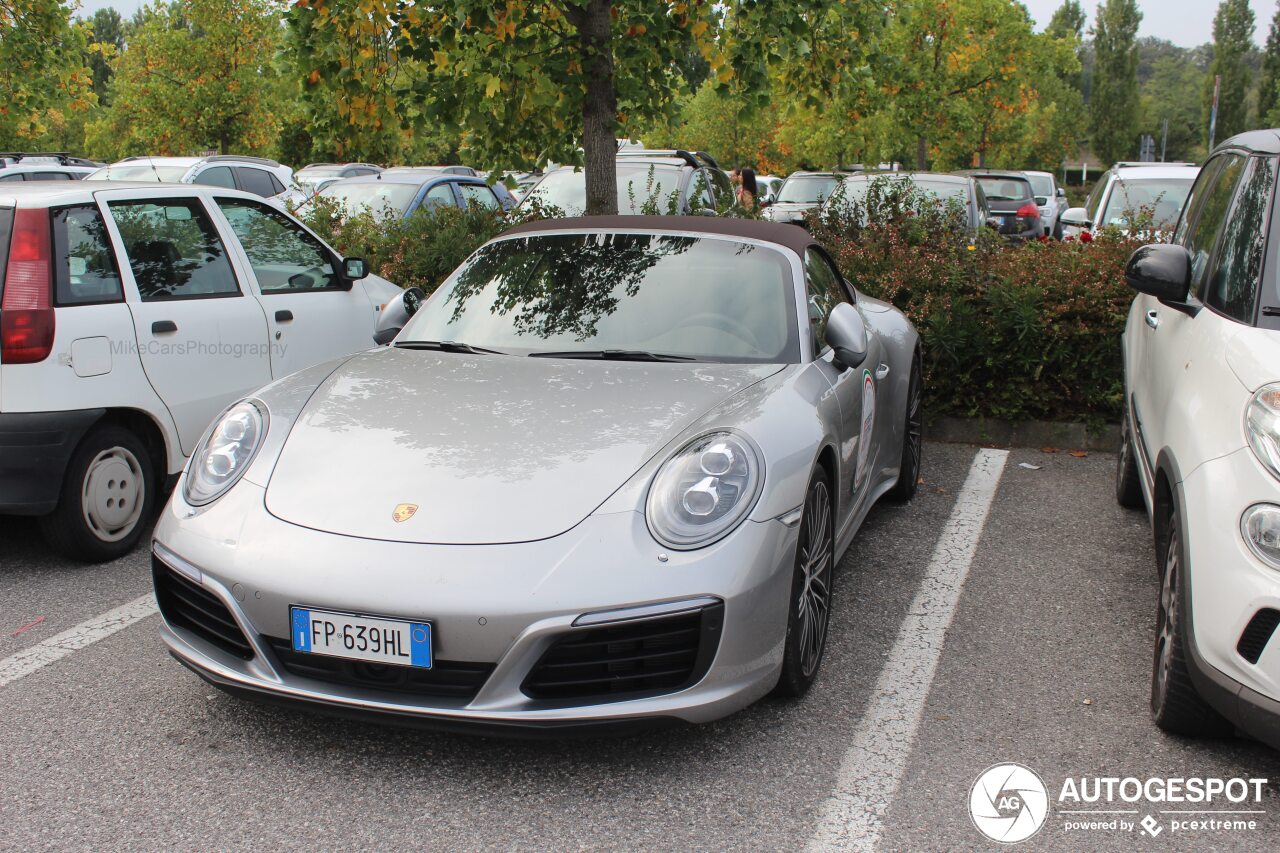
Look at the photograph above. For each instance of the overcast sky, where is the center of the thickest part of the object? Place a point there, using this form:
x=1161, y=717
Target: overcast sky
x=1183, y=22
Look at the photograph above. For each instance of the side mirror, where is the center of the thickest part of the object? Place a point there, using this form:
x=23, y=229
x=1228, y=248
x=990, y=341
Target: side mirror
x=1077, y=217
x=1161, y=270
x=766, y=201
x=847, y=336
x=1062, y=193
x=1042, y=200
x=354, y=269
x=396, y=313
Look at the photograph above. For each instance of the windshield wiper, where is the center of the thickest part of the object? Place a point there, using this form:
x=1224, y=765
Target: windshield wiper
x=447, y=346
x=614, y=355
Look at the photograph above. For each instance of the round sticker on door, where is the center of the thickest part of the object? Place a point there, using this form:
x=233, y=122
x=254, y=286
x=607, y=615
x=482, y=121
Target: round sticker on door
x=868, y=422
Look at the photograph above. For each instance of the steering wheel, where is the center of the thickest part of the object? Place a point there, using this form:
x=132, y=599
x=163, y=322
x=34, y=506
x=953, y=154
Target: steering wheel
x=736, y=328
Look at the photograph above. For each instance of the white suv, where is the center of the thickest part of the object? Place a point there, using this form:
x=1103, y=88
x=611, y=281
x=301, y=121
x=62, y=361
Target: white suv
x=257, y=175
x=1159, y=189
x=1201, y=446
x=130, y=316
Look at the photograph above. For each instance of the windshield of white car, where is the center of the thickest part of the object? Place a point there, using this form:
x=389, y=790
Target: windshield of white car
x=642, y=188
x=619, y=295
x=139, y=171
x=1041, y=185
x=806, y=189
x=1161, y=197
x=384, y=199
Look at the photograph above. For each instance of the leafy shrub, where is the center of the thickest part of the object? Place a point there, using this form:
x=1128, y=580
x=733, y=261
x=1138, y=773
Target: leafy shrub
x=1017, y=331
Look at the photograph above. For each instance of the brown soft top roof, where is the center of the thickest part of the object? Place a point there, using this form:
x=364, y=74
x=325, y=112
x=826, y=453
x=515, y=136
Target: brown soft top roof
x=792, y=237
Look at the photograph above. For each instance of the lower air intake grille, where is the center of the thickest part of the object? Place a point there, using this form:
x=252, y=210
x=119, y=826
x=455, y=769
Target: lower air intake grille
x=452, y=679
x=1257, y=633
x=630, y=659
x=193, y=608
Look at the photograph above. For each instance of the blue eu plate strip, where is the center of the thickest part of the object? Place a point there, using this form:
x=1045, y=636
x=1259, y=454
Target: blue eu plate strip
x=420, y=644
x=301, y=630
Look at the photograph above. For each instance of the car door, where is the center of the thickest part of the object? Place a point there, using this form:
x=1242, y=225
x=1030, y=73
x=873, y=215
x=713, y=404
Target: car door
x=313, y=313
x=202, y=336
x=855, y=389
x=1175, y=340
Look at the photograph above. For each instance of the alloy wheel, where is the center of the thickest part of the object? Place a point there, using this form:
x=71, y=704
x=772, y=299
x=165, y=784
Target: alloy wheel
x=816, y=559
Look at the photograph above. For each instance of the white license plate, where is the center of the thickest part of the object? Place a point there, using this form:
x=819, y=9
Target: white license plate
x=342, y=635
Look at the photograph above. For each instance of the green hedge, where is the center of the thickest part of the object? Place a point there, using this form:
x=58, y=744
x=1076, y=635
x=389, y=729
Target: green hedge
x=1015, y=331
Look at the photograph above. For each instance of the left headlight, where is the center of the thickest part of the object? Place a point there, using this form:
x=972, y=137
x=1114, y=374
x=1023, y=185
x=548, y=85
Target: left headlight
x=225, y=453
x=1262, y=423
x=704, y=491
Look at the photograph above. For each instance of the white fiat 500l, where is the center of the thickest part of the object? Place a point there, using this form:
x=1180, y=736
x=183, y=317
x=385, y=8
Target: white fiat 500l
x=1201, y=446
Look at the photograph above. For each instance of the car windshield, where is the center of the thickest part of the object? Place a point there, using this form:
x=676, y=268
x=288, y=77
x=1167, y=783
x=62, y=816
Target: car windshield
x=807, y=188
x=384, y=199
x=308, y=179
x=706, y=299
x=139, y=171
x=855, y=189
x=642, y=188
x=1041, y=184
x=1005, y=189
x=1162, y=196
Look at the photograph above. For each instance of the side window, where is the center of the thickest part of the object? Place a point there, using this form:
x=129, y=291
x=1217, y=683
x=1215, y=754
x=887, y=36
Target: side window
x=1233, y=281
x=173, y=250
x=49, y=176
x=284, y=257
x=825, y=292
x=1195, y=198
x=14, y=177
x=84, y=266
x=217, y=176
x=1202, y=232
x=479, y=196
x=441, y=195
x=256, y=181
x=700, y=197
x=1093, y=204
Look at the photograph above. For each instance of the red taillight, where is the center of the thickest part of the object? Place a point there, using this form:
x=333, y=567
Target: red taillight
x=26, y=314
x=1029, y=211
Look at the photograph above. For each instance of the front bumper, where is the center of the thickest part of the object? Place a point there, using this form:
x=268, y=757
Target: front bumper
x=498, y=605
x=1228, y=587
x=34, y=450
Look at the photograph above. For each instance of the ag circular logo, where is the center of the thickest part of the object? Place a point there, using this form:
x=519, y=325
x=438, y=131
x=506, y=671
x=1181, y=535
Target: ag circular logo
x=1008, y=803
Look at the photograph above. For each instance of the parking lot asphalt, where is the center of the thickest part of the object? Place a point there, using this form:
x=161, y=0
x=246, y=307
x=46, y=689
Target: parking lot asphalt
x=1046, y=662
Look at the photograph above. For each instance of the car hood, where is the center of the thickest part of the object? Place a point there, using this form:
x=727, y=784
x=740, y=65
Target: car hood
x=423, y=446
x=1254, y=357
x=788, y=210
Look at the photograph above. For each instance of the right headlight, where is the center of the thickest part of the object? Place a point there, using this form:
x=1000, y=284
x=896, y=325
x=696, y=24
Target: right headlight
x=224, y=455
x=704, y=491
x=1262, y=423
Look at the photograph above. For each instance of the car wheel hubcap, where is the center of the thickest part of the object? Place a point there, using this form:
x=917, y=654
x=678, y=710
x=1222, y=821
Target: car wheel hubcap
x=111, y=500
x=1166, y=622
x=815, y=565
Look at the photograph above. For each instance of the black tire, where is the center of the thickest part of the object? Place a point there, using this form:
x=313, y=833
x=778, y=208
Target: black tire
x=1128, y=484
x=912, y=439
x=809, y=604
x=108, y=494
x=1176, y=706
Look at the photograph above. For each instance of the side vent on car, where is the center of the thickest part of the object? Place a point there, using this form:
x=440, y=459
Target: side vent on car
x=1257, y=633
x=193, y=608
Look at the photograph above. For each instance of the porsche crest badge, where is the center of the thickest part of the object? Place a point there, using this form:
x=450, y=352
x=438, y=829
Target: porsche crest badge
x=403, y=512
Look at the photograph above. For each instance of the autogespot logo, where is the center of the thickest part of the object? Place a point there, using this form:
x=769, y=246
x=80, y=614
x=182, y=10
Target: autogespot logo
x=1008, y=803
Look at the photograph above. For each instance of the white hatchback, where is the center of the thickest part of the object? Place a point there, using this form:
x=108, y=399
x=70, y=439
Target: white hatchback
x=1201, y=446
x=130, y=316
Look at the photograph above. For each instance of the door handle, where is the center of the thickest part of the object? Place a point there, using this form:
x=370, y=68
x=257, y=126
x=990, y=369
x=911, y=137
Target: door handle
x=1153, y=319
x=285, y=316
x=160, y=327
x=882, y=371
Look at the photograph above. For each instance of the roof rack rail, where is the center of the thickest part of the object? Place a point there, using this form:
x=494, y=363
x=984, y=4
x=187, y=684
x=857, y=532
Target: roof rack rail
x=694, y=159
x=1130, y=163
x=222, y=158
x=61, y=157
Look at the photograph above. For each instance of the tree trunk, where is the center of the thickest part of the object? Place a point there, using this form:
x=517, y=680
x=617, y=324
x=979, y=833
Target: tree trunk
x=599, y=109
x=922, y=154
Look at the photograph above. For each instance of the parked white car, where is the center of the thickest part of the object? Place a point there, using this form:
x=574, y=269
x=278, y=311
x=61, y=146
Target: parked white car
x=17, y=167
x=1051, y=199
x=131, y=315
x=257, y=175
x=1129, y=188
x=1201, y=446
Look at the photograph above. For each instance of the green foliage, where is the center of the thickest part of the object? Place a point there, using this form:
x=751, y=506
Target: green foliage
x=42, y=73
x=1113, y=104
x=1270, y=80
x=107, y=41
x=196, y=75
x=1009, y=331
x=1171, y=81
x=1232, y=44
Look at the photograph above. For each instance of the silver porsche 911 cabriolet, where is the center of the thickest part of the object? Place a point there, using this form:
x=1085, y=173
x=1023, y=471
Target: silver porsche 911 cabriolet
x=601, y=476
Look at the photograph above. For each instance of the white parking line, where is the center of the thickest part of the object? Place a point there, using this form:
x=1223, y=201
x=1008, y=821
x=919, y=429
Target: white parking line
x=872, y=768
x=87, y=633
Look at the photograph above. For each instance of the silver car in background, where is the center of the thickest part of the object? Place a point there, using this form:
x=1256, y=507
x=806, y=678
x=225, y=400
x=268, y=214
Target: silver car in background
x=1051, y=199
x=601, y=477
